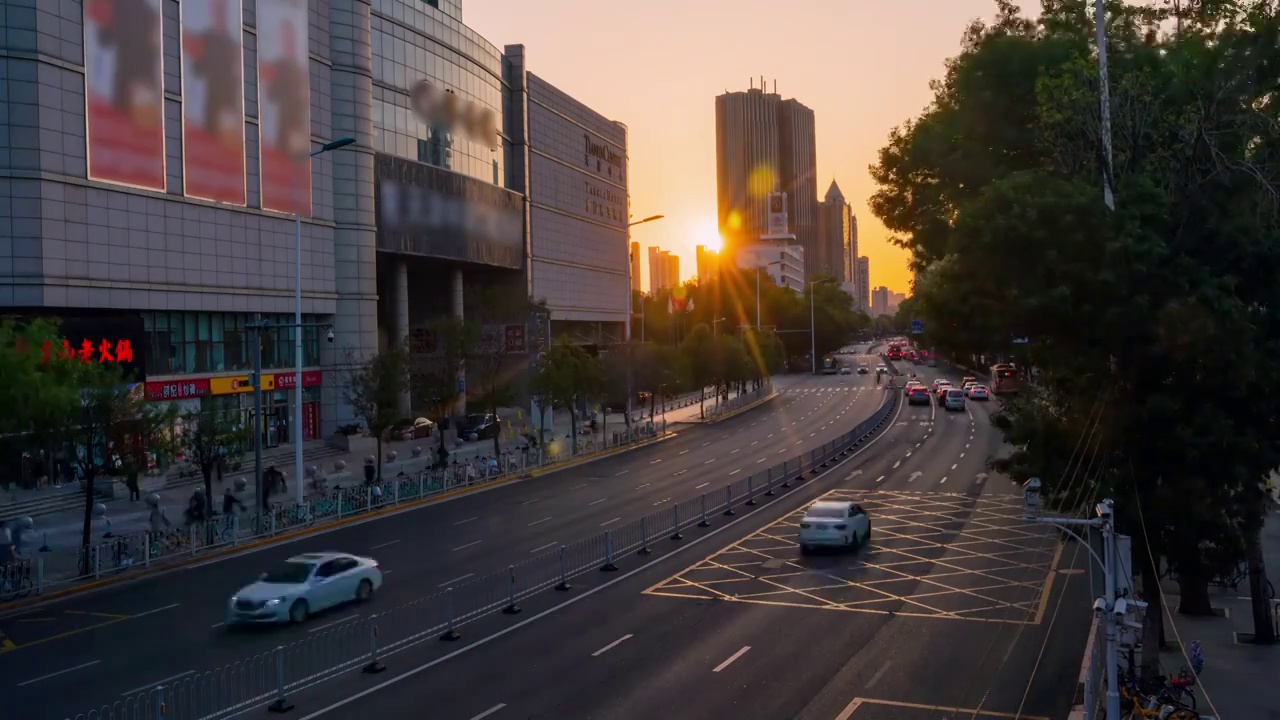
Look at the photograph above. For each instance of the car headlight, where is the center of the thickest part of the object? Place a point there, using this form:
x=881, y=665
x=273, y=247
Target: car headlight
x=274, y=601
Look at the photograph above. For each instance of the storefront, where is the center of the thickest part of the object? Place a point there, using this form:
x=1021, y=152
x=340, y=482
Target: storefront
x=235, y=394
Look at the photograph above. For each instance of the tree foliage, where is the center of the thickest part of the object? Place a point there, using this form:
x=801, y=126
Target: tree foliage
x=565, y=375
x=1153, y=327
x=374, y=388
x=210, y=439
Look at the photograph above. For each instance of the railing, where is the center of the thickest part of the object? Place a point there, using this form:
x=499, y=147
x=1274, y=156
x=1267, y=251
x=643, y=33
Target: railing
x=740, y=401
x=270, y=678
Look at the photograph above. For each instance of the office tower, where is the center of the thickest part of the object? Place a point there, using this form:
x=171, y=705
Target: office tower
x=764, y=144
x=708, y=264
x=664, y=269
x=635, y=266
x=835, y=222
x=864, y=285
x=880, y=301
x=672, y=275
x=851, y=252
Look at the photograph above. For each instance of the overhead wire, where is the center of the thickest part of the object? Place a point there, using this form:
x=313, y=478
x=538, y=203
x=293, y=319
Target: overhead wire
x=1164, y=600
x=1087, y=434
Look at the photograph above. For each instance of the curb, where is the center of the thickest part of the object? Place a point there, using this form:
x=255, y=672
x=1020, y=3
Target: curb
x=160, y=566
x=773, y=394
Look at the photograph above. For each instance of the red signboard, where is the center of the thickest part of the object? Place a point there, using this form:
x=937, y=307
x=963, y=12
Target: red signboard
x=105, y=350
x=178, y=389
x=310, y=378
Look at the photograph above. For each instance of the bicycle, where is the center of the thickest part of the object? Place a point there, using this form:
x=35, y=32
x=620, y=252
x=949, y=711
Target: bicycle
x=15, y=580
x=1157, y=698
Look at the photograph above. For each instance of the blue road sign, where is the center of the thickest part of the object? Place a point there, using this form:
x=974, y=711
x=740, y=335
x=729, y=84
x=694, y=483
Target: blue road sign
x=917, y=326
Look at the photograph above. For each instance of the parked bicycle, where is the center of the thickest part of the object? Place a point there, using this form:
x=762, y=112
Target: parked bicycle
x=15, y=579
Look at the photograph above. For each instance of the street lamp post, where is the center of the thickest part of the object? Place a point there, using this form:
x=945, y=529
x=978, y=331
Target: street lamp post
x=813, y=340
x=715, y=325
x=630, y=293
x=297, y=335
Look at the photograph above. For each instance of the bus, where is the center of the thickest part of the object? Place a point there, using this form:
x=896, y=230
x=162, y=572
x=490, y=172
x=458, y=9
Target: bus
x=1004, y=378
x=830, y=365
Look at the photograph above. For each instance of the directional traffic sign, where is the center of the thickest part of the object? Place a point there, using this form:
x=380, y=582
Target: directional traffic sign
x=917, y=326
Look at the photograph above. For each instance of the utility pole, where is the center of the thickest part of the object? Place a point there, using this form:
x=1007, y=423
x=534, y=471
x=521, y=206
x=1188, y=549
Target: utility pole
x=1114, y=608
x=260, y=491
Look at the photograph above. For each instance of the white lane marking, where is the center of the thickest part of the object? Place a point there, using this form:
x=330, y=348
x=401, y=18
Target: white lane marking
x=530, y=502
x=732, y=657
x=217, y=625
x=760, y=461
x=944, y=479
x=385, y=544
x=782, y=450
x=655, y=462
x=962, y=454
x=880, y=478
x=853, y=474
x=953, y=465
x=624, y=472
x=770, y=435
x=678, y=473
x=812, y=434
x=734, y=450
x=419, y=669
x=489, y=712
x=610, y=522
x=908, y=454
x=597, y=502
x=455, y=580
x=641, y=487
x=966, y=446
x=879, y=674
x=471, y=518
x=914, y=475
x=897, y=465
x=706, y=443
x=548, y=546
x=735, y=472
x=702, y=486
x=151, y=686
x=578, y=487
x=470, y=544
x=60, y=672
x=152, y=612
x=682, y=452
x=539, y=522
x=917, y=444
x=612, y=645
x=709, y=461
x=318, y=628
x=753, y=442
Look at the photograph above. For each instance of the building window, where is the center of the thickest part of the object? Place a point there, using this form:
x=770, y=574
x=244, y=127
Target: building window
x=179, y=343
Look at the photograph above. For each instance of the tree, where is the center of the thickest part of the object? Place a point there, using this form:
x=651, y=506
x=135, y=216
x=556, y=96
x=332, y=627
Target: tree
x=39, y=393
x=995, y=191
x=700, y=351
x=210, y=439
x=436, y=368
x=565, y=374
x=374, y=388
x=486, y=356
x=735, y=367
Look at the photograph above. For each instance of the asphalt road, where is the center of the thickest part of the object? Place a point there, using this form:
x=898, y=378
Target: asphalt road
x=69, y=656
x=957, y=609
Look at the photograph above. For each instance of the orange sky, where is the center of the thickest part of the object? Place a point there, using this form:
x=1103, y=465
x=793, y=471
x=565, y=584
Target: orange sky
x=864, y=66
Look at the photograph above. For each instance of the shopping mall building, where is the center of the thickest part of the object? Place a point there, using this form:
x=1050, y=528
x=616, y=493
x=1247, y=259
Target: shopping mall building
x=154, y=155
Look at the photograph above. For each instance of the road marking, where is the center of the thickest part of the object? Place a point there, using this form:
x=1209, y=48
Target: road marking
x=385, y=544
x=897, y=465
x=612, y=645
x=215, y=626
x=735, y=472
x=753, y=442
x=770, y=435
x=853, y=474
x=475, y=518
x=624, y=472
x=578, y=487
x=944, y=479
x=678, y=473
x=858, y=702
x=908, y=454
x=655, y=462
x=760, y=461
x=151, y=612
x=610, y=522
x=953, y=465
x=32, y=681
x=702, y=486
x=782, y=450
x=157, y=683
x=962, y=454
x=682, y=452
x=544, y=547
x=709, y=461
x=966, y=446
x=489, y=712
x=732, y=657
x=641, y=487
x=318, y=628
x=914, y=475
x=812, y=434
x=734, y=450
x=537, y=522
x=880, y=478
x=470, y=544
x=706, y=443
x=597, y=502
x=455, y=580
x=917, y=444
x=530, y=502
x=879, y=674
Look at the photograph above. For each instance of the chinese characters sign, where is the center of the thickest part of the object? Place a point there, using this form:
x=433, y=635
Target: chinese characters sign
x=168, y=390
x=177, y=389
x=105, y=350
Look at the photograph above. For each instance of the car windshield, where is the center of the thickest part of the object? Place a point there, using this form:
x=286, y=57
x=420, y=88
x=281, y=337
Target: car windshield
x=955, y=393
x=827, y=511
x=474, y=419
x=289, y=573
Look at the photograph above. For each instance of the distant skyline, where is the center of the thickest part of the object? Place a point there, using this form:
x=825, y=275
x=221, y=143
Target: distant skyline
x=657, y=66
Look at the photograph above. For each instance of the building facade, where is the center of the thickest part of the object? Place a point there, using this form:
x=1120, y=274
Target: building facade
x=635, y=267
x=864, y=285
x=156, y=156
x=782, y=261
x=765, y=145
x=708, y=263
x=835, y=225
x=851, y=252
x=664, y=270
x=880, y=301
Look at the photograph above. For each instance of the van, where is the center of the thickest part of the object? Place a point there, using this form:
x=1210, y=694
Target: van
x=954, y=399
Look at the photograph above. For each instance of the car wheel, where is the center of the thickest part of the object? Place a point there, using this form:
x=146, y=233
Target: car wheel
x=298, y=612
x=364, y=591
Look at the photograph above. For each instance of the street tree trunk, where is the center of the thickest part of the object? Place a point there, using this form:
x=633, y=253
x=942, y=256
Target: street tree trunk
x=86, y=532
x=1264, y=630
x=1193, y=588
x=1153, y=624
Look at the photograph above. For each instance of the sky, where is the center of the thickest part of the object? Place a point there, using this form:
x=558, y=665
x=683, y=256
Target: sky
x=863, y=66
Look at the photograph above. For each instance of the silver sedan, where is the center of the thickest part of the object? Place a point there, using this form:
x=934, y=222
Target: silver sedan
x=304, y=585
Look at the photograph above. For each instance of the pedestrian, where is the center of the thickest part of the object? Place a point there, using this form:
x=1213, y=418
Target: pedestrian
x=131, y=482
x=158, y=521
x=230, y=501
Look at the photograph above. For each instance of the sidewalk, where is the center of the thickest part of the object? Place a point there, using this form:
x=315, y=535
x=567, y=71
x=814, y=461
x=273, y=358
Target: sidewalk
x=61, y=528
x=1239, y=677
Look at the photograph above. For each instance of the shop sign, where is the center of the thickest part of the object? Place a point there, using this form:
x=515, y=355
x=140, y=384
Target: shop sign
x=177, y=389
x=237, y=385
x=104, y=350
x=287, y=381
x=515, y=339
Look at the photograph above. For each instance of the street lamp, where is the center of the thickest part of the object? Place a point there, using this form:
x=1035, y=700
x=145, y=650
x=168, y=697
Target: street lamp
x=715, y=324
x=297, y=334
x=630, y=290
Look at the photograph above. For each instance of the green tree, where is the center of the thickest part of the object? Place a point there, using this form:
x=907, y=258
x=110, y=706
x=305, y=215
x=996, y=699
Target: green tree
x=995, y=191
x=374, y=388
x=566, y=374
x=38, y=394
x=436, y=368
x=209, y=440
x=700, y=353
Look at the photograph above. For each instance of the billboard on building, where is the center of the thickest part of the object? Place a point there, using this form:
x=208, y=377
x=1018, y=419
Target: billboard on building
x=284, y=108
x=213, y=100
x=124, y=92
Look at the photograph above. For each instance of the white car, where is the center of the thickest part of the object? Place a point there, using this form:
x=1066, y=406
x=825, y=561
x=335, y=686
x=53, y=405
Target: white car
x=968, y=385
x=304, y=585
x=834, y=523
x=978, y=392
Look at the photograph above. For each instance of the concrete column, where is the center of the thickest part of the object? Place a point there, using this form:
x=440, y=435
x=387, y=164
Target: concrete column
x=354, y=239
x=456, y=296
x=400, y=321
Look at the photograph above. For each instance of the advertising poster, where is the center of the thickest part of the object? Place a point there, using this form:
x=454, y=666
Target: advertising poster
x=284, y=88
x=124, y=92
x=213, y=100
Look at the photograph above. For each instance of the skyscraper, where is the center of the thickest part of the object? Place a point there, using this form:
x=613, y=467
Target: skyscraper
x=835, y=222
x=764, y=144
x=664, y=269
x=851, y=252
x=864, y=285
x=708, y=264
x=880, y=301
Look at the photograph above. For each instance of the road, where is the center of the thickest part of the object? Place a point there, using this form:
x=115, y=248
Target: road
x=92, y=650
x=957, y=609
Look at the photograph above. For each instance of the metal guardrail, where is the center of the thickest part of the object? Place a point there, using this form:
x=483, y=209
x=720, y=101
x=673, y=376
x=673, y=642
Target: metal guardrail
x=270, y=678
